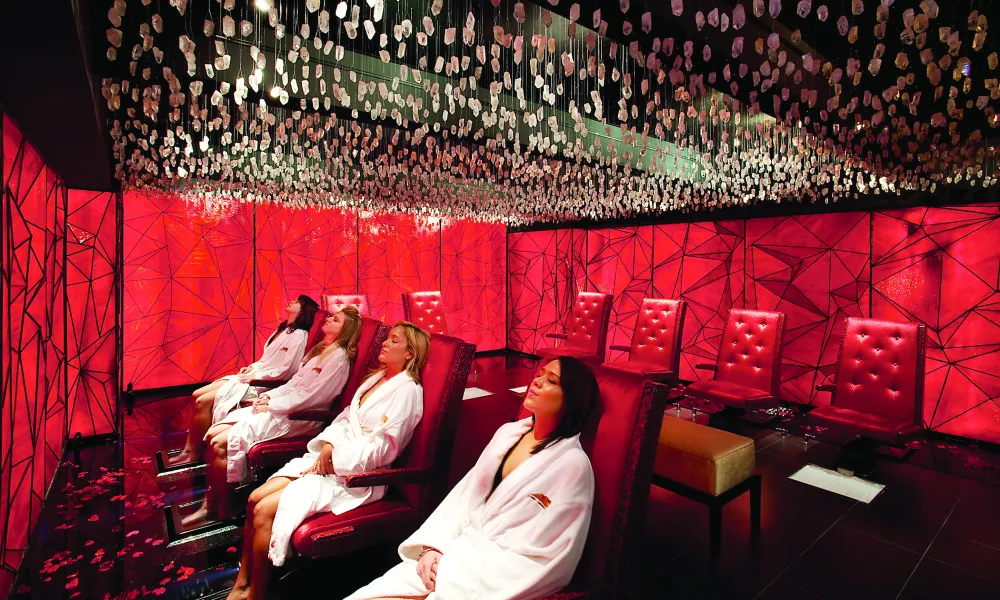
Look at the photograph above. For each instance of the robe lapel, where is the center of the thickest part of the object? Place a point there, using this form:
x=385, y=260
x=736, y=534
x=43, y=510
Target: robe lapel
x=377, y=396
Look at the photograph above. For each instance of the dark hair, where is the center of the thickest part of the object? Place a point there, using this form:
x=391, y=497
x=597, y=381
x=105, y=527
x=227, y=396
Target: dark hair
x=304, y=320
x=580, y=396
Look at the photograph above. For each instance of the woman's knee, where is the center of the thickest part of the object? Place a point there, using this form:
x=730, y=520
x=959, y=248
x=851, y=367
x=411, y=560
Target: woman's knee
x=265, y=509
x=204, y=402
x=220, y=443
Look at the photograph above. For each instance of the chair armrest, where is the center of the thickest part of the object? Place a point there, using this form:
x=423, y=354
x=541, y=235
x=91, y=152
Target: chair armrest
x=268, y=383
x=557, y=336
x=826, y=387
x=707, y=366
x=622, y=348
x=388, y=477
x=316, y=414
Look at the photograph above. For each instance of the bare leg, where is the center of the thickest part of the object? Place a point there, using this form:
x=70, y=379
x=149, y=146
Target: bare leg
x=209, y=387
x=217, y=495
x=241, y=589
x=263, y=519
x=201, y=420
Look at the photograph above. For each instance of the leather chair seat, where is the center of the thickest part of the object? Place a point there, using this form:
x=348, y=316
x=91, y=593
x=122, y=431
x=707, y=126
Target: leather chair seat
x=873, y=425
x=371, y=521
x=648, y=370
x=548, y=354
x=274, y=454
x=704, y=458
x=727, y=392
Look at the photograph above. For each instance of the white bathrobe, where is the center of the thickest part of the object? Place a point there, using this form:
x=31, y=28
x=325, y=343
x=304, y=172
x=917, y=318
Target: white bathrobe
x=523, y=541
x=315, y=385
x=364, y=438
x=280, y=360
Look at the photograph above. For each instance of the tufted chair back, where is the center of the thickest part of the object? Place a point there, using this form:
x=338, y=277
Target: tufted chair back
x=443, y=378
x=750, y=353
x=426, y=311
x=881, y=369
x=334, y=302
x=587, y=325
x=657, y=335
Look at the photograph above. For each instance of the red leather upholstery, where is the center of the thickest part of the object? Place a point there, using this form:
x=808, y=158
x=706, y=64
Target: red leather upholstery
x=880, y=379
x=272, y=455
x=621, y=441
x=316, y=331
x=656, y=341
x=334, y=302
x=748, y=369
x=586, y=330
x=426, y=311
x=398, y=514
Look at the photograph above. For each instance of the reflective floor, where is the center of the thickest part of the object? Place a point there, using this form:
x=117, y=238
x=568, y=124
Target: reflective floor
x=934, y=533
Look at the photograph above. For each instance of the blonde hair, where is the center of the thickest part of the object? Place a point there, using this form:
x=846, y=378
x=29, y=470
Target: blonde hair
x=347, y=339
x=418, y=342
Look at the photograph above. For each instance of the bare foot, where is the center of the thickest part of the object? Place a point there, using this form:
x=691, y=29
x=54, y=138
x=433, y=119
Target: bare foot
x=240, y=592
x=185, y=456
x=198, y=517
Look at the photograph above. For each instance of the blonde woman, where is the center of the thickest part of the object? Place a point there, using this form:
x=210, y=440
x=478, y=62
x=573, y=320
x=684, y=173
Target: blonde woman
x=367, y=435
x=322, y=377
x=280, y=360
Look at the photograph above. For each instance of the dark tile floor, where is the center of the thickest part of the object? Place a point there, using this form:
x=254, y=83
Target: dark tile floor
x=934, y=533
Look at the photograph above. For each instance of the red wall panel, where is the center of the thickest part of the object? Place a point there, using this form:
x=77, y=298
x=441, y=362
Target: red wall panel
x=571, y=269
x=701, y=263
x=91, y=293
x=531, y=285
x=939, y=266
x=301, y=251
x=620, y=262
x=474, y=285
x=397, y=253
x=32, y=384
x=188, y=313
x=815, y=269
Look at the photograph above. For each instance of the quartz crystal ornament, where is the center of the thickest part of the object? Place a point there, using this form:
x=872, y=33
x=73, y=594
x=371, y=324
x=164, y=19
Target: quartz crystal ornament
x=739, y=17
x=677, y=7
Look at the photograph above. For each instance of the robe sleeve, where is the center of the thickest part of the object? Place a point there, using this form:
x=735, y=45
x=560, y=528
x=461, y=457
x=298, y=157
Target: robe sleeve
x=381, y=446
x=443, y=525
x=319, y=392
x=289, y=359
x=333, y=433
x=539, y=562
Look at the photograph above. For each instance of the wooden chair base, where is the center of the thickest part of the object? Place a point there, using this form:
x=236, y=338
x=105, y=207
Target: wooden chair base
x=715, y=504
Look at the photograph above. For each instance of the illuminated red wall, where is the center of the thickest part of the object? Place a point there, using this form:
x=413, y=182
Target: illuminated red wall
x=937, y=266
x=203, y=286
x=33, y=384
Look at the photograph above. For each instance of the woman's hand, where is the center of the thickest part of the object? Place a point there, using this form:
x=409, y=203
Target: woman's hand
x=260, y=404
x=323, y=464
x=245, y=370
x=246, y=377
x=427, y=568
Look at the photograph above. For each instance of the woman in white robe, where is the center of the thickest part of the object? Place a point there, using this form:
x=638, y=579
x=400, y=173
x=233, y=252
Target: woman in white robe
x=516, y=525
x=280, y=360
x=367, y=435
x=316, y=384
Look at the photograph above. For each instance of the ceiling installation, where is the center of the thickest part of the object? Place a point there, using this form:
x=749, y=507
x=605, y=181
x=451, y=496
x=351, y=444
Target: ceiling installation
x=555, y=111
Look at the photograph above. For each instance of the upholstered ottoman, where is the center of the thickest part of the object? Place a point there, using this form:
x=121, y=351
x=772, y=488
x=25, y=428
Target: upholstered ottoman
x=708, y=465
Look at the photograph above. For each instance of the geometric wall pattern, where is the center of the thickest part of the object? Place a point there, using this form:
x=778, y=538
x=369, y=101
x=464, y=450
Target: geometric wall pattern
x=205, y=286
x=936, y=266
x=701, y=263
x=473, y=267
x=92, y=294
x=940, y=267
x=33, y=379
x=188, y=290
x=814, y=269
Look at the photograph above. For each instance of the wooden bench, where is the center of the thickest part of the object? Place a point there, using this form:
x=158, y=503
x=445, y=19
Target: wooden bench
x=710, y=466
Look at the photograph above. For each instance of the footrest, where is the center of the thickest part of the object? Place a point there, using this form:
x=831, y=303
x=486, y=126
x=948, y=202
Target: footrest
x=201, y=536
x=165, y=472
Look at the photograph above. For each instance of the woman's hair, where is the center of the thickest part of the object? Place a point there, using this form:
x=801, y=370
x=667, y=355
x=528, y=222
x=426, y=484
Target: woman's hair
x=418, y=342
x=347, y=339
x=304, y=320
x=580, y=396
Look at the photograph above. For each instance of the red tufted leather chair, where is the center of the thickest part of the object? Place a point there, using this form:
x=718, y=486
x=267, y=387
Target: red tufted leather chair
x=586, y=330
x=655, y=352
x=314, y=337
x=748, y=370
x=418, y=478
x=426, y=311
x=878, y=391
x=621, y=440
x=334, y=302
x=269, y=456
